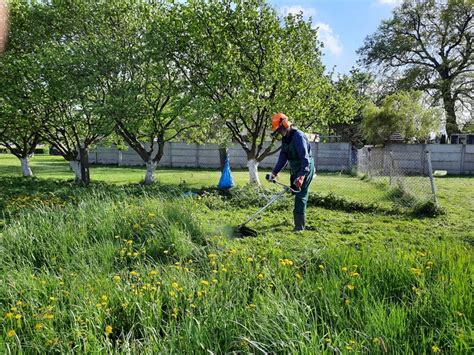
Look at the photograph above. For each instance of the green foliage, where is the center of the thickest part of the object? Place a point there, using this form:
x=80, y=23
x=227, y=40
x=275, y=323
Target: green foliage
x=427, y=45
x=401, y=113
x=248, y=64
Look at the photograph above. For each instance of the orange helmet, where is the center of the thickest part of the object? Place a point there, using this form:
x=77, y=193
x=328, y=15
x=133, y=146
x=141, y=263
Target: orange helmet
x=280, y=120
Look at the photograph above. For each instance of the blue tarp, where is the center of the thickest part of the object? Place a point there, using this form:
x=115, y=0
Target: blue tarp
x=226, y=181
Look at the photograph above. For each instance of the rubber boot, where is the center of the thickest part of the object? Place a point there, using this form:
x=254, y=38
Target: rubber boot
x=299, y=221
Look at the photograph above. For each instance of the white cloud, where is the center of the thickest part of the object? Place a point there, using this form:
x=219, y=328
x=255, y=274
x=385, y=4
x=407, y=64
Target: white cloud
x=294, y=10
x=389, y=2
x=330, y=40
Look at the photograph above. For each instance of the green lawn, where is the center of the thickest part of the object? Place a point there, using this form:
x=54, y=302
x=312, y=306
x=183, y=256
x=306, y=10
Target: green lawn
x=129, y=269
x=54, y=167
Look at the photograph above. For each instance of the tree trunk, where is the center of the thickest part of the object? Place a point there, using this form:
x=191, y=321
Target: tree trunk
x=76, y=167
x=222, y=156
x=252, y=165
x=84, y=165
x=449, y=108
x=150, y=172
x=25, y=167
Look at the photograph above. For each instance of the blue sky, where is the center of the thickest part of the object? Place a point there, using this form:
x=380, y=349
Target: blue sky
x=343, y=24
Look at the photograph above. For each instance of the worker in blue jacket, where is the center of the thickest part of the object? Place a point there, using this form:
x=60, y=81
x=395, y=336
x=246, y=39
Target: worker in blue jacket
x=296, y=150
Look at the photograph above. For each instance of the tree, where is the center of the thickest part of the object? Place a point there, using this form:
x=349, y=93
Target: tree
x=428, y=45
x=148, y=98
x=401, y=113
x=23, y=108
x=19, y=131
x=249, y=64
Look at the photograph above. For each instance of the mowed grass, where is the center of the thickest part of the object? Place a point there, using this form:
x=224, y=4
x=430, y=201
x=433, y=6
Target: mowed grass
x=54, y=167
x=126, y=269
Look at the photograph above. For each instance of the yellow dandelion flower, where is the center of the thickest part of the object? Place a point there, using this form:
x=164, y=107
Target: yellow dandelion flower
x=133, y=273
x=460, y=314
x=9, y=315
x=354, y=274
x=420, y=253
x=116, y=278
x=193, y=305
x=172, y=294
x=328, y=340
x=260, y=276
x=104, y=298
x=223, y=269
x=39, y=326
x=18, y=316
x=214, y=281
x=129, y=242
x=286, y=262
x=19, y=303
x=11, y=333
x=298, y=276
x=48, y=316
x=415, y=271
x=14, y=309
x=210, y=256
x=205, y=282
x=252, y=306
x=435, y=349
x=347, y=301
x=344, y=269
x=350, y=287
x=151, y=215
x=321, y=267
x=200, y=293
x=175, y=285
x=152, y=273
x=108, y=329
x=249, y=259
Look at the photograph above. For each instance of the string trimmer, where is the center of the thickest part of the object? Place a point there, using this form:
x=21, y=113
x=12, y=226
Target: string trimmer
x=245, y=231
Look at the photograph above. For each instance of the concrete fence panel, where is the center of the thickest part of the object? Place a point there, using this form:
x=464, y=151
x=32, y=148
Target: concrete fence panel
x=455, y=159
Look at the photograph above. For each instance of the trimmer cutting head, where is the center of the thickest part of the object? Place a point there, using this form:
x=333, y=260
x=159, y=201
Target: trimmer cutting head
x=243, y=231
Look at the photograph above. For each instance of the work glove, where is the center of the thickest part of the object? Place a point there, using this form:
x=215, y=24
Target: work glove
x=299, y=182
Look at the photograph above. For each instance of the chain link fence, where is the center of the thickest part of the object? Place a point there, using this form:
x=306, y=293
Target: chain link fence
x=407, y=176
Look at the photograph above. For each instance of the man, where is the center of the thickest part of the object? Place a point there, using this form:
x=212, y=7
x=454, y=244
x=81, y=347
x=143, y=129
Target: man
x=296, y=150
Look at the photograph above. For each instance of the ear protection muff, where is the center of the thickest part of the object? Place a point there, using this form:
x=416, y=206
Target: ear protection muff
x=284, y=123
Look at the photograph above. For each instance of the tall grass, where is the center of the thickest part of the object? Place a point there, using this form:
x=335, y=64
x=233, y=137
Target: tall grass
x=129, y=274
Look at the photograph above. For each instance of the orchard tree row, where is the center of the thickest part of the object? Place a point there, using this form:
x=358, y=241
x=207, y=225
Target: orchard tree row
x=76, y=73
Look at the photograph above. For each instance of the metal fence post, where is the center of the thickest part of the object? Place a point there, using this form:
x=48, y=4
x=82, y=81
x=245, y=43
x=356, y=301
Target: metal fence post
x=197, y=156
x=369, y=161
x=171, y=153
x=463, y=154
x=430, y=172
x=391, y=167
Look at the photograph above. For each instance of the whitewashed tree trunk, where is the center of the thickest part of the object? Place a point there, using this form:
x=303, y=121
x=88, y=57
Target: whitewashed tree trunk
x=76, y=167
x=150, y=172
x=25, y=167
x=252, y=165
